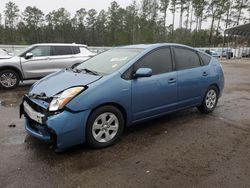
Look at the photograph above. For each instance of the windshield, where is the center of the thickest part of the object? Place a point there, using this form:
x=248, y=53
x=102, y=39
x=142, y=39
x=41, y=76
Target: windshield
x=20, y=52
x=3, y=53
x=109, y=61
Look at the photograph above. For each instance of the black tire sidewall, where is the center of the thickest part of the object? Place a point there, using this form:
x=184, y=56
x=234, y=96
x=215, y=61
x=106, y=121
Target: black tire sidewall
x=203, y=108
x=104, y=109
x=14, y=73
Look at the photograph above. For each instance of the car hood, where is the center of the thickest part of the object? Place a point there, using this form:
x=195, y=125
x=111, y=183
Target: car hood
x=57, y=82
x=5, y=57
x=10, y=59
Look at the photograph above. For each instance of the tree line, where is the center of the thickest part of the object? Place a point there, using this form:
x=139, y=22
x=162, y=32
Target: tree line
x=143, y=21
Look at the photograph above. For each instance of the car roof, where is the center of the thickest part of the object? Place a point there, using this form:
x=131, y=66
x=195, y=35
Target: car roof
x=148, y=47
x=58, y=44
x=157, y=45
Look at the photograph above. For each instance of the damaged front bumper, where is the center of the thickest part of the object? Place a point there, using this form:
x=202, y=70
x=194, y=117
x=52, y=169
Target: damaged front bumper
x=63, y=129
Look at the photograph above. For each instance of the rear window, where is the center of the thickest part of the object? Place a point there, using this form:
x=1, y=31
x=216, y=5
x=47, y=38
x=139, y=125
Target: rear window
x=85, y=51
x=62, y=50
x=205, y=58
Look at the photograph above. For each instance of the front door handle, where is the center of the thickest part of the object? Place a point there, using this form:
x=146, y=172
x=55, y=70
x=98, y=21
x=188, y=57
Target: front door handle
x=171, y=81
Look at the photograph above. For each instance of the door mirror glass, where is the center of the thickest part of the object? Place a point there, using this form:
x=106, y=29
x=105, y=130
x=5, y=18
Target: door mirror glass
x=143, y=72
x=28, y=56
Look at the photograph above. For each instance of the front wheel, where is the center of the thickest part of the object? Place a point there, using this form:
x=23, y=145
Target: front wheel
x=104, y=127
x=9, y=79
x=210, y=100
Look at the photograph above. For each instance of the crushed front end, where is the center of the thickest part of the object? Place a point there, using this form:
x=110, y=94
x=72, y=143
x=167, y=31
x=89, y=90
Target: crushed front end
x=63, y=128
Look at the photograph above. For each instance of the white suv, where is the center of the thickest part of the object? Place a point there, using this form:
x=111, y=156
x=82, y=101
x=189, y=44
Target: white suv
x=39, y=60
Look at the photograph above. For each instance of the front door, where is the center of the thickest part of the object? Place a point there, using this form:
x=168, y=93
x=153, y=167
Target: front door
x=157, y=94
x=39, y=65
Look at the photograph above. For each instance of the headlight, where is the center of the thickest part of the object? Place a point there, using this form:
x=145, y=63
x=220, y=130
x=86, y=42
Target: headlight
x=60, y=100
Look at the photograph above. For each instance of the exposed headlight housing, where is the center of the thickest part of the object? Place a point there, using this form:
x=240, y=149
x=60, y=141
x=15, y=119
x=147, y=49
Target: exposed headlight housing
x=60, y=100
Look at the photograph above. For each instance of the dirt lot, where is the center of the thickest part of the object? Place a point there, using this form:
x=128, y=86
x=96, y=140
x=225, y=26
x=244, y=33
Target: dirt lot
x=184, y=149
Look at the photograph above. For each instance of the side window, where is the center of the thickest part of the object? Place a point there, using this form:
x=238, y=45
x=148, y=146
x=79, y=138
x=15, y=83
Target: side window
x=41, y=51
x=186, y=59
x=160, y=61
x=76, y=49
x=84, y=51
x=205, y=58
x=62, y=50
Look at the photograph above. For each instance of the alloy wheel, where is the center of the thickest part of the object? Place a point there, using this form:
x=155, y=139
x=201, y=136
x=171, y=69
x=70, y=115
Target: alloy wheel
x=8, y=79
x=105, y=127
x=211, y=98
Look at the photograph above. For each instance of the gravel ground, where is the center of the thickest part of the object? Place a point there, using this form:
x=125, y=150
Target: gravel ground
x=183, y=149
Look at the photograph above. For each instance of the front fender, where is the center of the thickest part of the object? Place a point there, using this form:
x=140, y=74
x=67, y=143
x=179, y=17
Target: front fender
x=109, y=89
x=13, y=64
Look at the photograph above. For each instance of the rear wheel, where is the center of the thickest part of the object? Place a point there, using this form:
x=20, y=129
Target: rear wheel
x=104, y=127
x=9, y=79
x=210, y=100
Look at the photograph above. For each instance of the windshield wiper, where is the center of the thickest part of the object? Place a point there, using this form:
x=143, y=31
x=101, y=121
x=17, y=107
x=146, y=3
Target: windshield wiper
x=87, y=71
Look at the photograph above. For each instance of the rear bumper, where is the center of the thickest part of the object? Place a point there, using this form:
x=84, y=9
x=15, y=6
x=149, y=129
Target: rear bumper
x=64, y=129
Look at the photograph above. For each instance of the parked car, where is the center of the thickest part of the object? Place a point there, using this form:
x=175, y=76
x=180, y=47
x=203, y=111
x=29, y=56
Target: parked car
x=39, y=60
x=96, y=100
x=224, y=52
x=246, y=53
x=213, y=53
x=4, y=54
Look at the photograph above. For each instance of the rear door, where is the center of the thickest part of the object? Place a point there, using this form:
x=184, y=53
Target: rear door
x=207, y=78
x=62, y=57
x=189, y=73
x=156, y=94
x=39, y=65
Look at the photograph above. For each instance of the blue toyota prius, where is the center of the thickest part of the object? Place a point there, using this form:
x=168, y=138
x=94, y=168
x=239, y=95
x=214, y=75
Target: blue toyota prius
x=94, y=101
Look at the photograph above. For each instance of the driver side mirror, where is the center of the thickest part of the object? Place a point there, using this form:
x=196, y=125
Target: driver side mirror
x=28, y=56
x=143, y=72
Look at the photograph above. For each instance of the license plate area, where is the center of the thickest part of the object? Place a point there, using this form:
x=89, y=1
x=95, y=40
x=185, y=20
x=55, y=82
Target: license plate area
x=34, y=115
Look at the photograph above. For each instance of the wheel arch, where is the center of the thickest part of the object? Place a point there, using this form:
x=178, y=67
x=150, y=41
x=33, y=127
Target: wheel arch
x=13, y=69
x=217, y=87
x=118, y=106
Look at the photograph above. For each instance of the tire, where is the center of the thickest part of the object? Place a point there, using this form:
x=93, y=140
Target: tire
x=210, y=100
x=9, y=79
x=104, y=127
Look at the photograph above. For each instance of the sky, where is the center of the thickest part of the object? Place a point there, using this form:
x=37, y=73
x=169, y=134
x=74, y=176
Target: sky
x=72, y=5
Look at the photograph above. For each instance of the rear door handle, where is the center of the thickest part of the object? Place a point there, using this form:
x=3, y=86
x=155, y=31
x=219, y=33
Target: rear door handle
x=171, y=81
x=205, y=74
